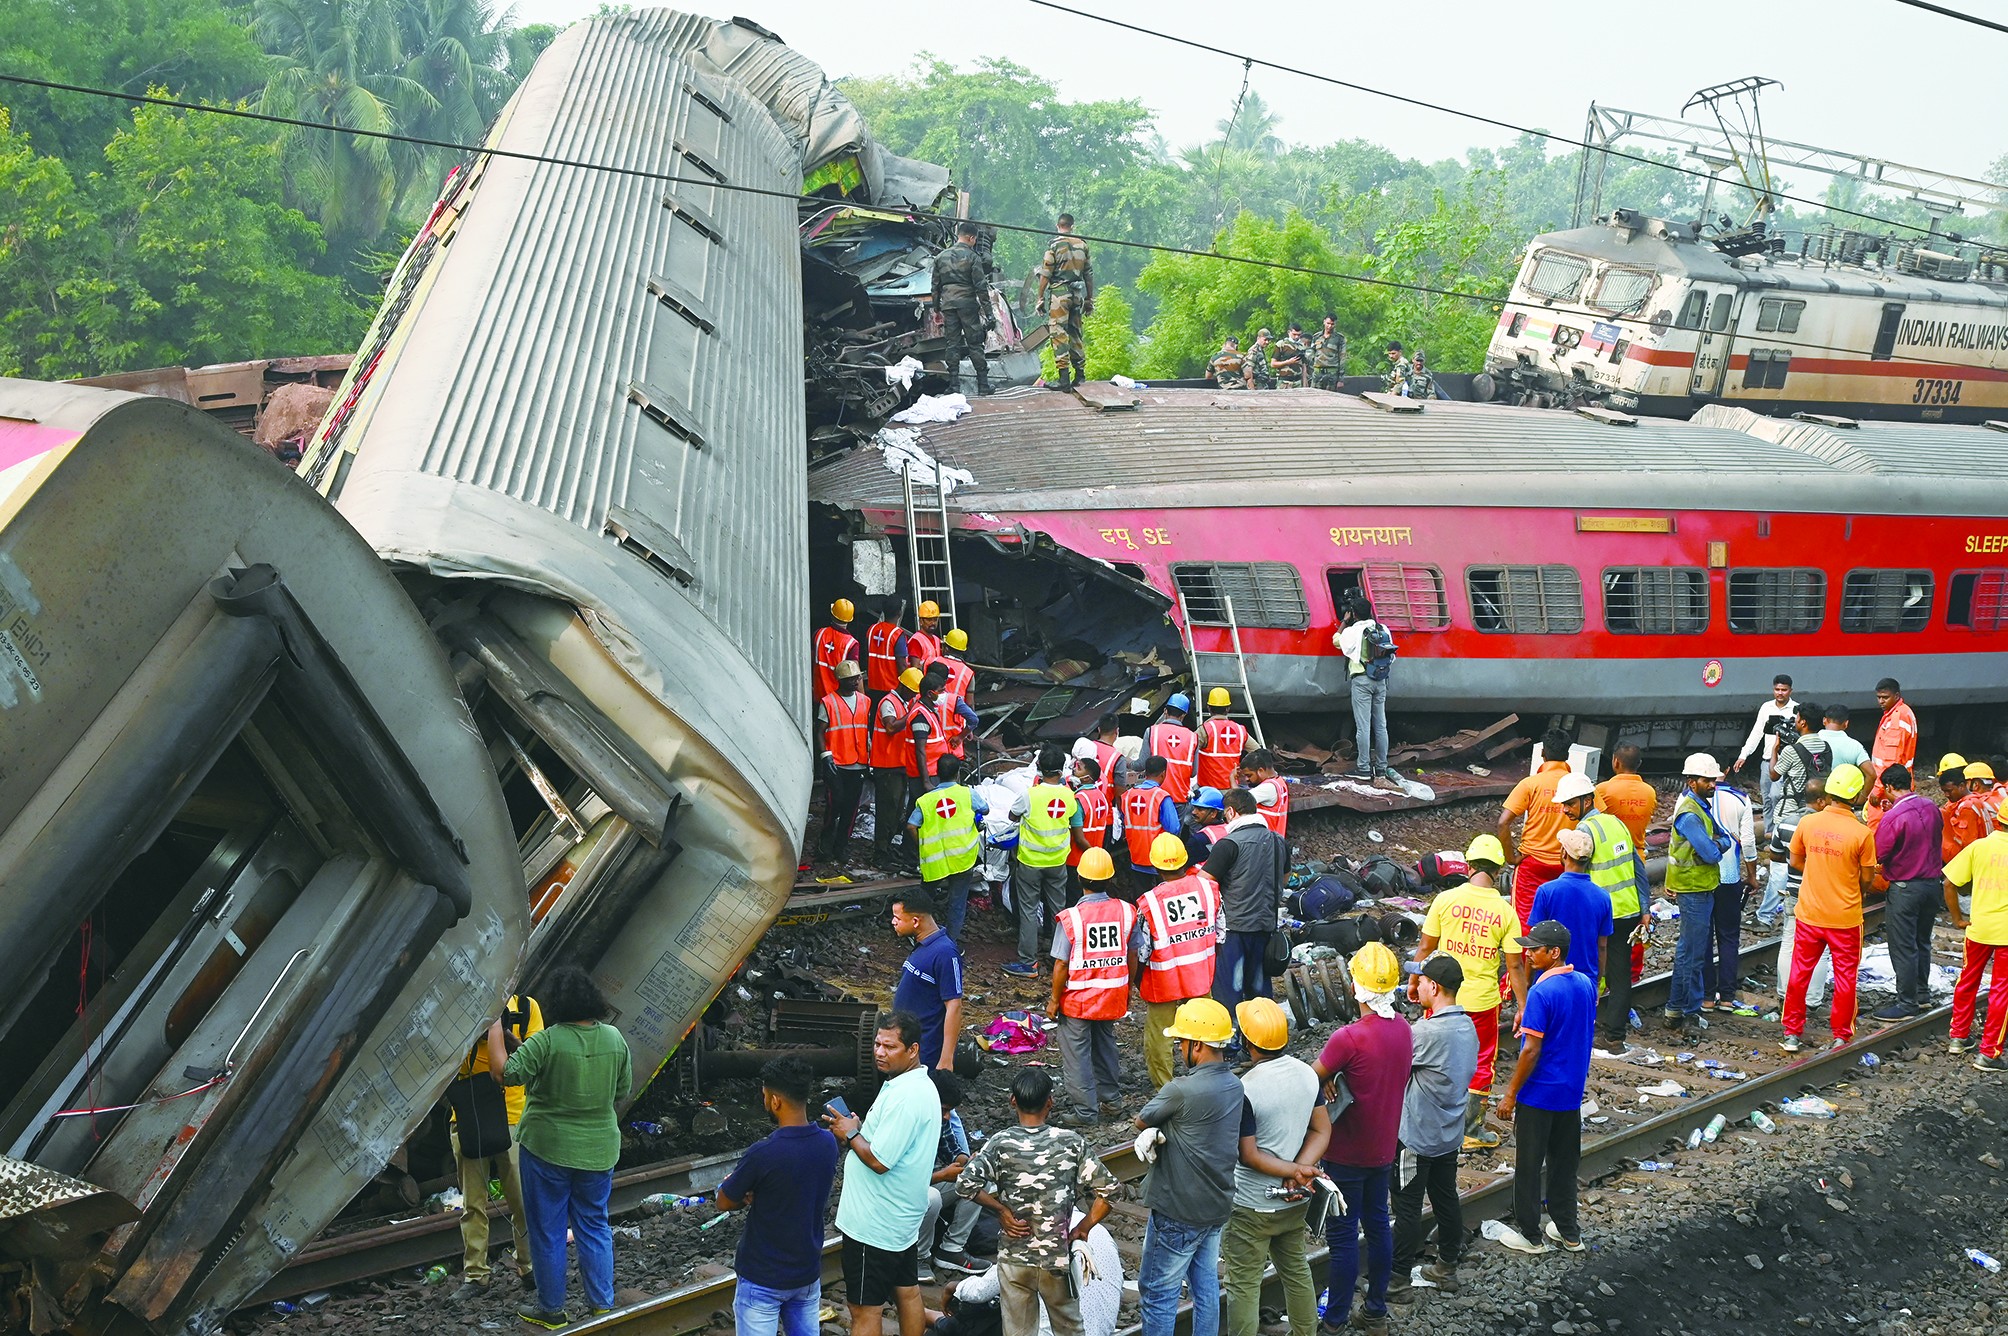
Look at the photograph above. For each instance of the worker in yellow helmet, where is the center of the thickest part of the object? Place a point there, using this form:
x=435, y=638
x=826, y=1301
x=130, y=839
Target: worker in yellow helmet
x=956, y=714
x=1221, y=742
x=1835, y=851
x=834, y=645
x=1475, y=923
x=1191, y=1131
x=1178, y=922
x=1091, y=984
x=923, y=645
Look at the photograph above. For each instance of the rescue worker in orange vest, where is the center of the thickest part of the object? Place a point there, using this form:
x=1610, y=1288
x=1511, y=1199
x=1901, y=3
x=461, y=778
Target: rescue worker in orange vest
x=1096, y=812
x=1178, y=925
x=1091, y=983
x=843, y=720
x=834, y=645
x=892, y=757
x=1112, y=768
x=1982, y=797
x=923, y=646
x=1148, y=811
x=1960, y=825
x=924, y=725
x=1177, y=744
x=1271, y=791
x=956, y=713
x=1221, y=742
x=885, y=655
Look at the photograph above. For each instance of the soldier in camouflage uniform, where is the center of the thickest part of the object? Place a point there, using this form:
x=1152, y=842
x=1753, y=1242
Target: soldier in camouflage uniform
x=1286, y=359
x=1228, y=367
x=1328, y=356
x=1421, y=384
x=959, y=293
x=1259, y=373
x=1034, y=1176
x=1067, y=287
x=1395, y=380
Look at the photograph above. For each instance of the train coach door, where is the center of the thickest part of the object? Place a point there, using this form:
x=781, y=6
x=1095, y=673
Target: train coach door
x=1712, y=342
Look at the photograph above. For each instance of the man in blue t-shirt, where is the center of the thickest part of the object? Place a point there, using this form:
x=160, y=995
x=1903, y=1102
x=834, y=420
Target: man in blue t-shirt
x=785, y=1181
x=1545, y=1097
x=1578, y=904
x=930, y=983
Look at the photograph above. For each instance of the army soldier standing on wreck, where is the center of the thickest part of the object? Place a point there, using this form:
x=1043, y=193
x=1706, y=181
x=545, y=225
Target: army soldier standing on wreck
x=1067, y=287
x=1328, y=356
x=958, y=292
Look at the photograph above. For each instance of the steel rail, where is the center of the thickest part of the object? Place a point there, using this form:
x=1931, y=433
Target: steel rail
x=1650, y=993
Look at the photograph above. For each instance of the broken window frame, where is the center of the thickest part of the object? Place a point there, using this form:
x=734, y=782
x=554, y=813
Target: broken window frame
x=1661, y=600
x=1267, y=595
x=1399, y=590
x=1977, y=600
x=1876, y=600
x=1777, y=600
x=1525, y=600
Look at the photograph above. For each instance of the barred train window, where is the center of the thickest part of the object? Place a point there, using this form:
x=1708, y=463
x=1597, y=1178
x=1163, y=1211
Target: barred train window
x=1885, y=600
x=1406, y=597
x=1526, y=600
x=1264, y=593
x=1655, y=600
x=1789, y=602
x=1557, y=275
x=1978, y=600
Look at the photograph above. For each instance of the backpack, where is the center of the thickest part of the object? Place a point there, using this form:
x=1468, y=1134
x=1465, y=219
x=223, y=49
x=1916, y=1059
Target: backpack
x=1818, y=763
x=1383, y=877
x=1377, y=651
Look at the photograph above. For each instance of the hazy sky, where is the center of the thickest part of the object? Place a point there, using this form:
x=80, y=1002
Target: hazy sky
x=1865, y=76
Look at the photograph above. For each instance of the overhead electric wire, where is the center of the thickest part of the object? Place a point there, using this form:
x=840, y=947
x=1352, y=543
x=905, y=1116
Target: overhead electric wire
x=1974, y=19
x=667, y=178
x=1480, y=117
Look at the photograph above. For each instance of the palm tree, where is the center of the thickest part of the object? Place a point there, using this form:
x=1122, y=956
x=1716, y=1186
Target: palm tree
x=1252, y=129
x=341, y=63
x=457, y=51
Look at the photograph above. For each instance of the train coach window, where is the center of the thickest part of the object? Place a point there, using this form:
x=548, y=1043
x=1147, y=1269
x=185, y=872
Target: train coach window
x=1525, y=600
x=1885, y=600
x=1978, y=600
x=1557, y=276
x=1779, y=315
x=1691, y=312
x=1777, y=602
x=1655, y=600
x=1262, y=593
x=1718, y=314
x=1407, y=597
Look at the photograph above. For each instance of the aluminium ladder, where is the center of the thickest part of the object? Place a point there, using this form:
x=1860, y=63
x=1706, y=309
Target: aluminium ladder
x=1244, y=699
x=930, y=566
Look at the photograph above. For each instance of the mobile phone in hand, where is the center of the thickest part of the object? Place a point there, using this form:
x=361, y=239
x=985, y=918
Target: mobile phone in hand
x=838, y=1107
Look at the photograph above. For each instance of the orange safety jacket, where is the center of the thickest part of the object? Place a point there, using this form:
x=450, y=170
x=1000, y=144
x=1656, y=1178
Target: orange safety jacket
x=961, y=682
x=1094, y=821
x=1177, y=745
x=1105, y=757
x=922, y=648
x=1098, y=974
x=882, y=656
x=1183, y=918
x=832, y=648
x=1277, y=817
x=937, y=739
x=847, y=736
x=1221, y=742
x=1141, y=824
x=892, y=748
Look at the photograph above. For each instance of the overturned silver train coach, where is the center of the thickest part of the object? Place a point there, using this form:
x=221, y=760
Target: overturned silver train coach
x=257, y=883
x=576, y=432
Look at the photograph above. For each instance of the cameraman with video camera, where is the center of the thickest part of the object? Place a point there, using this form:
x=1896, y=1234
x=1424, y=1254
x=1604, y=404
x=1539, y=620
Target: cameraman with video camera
x=1776, y=725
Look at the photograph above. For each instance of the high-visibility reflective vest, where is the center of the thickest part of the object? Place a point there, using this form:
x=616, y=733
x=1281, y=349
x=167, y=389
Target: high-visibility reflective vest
x=1611, y=865
x=1221, y=743
x=1986, y=805
x=1214, y=833
x=1047, y=831
x=948, y=838
x=1105, y=757
x=892, y=747
x=1176, y=744
x=848, y=736
x=832, y=648
x=1094, y=821
x=1686, y=870
x=937, y=738
x=961, y=681
x=882, y=656
x=1278, y=817
x=1142, y=806
x=1098, y=933
x=1183, y=918
x=922, y=648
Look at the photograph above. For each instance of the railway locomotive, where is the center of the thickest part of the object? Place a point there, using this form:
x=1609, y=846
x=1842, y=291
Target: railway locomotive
x=1650, y=316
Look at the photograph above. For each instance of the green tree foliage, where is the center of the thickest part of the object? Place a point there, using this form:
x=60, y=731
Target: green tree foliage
x=1110, y=335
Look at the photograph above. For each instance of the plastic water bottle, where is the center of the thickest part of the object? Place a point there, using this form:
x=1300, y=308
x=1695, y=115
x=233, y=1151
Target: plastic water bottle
x=1634, y=1021
x=1714, y=1128
x=1983, y=1261
x=1762, y=1121
x=659, y=1202
x=1324, y=1300
x=1871, y=1061
x=284, y=1309
x=437, y=1275
x=1811, y=1106
x=647, y=1129
x=1695, y=1138
x=1653, y=1166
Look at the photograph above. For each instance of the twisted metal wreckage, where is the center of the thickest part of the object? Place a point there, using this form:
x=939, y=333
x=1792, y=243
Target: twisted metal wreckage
x=275, y=768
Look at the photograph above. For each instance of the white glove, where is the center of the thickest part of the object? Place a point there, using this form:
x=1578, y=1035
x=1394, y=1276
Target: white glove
x=1084, y=1263
x=1146, y=1144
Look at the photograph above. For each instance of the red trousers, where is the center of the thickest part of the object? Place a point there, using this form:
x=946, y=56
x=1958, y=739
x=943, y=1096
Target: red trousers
x=1529, y=877
x=1966, y=995
x=1487, y=1024
x=1808, y=944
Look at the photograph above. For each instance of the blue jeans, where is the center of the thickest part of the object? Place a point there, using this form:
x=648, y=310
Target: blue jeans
x=553, y=1198
x=1772, y=907
x=1365, y=1191
x=1175, y=1255
x=759, y=1311
x=1240, y=968
x=1697, y=939
x=1369, y=724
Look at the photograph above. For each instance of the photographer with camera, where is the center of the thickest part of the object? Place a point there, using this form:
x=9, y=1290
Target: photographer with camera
x=1802, y=762
x=1776, y=726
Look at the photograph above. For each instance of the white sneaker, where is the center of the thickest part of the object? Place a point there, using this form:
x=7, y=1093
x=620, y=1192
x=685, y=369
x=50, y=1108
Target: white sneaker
x=1556, y=1234
x=1509, y=1237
